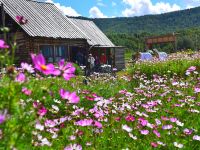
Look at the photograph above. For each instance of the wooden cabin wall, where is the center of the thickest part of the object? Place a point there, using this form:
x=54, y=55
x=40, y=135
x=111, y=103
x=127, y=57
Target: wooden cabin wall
x=33, y=43
x=119, y=58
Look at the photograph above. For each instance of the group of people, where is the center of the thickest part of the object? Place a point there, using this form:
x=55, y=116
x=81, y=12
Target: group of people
x=95, y=62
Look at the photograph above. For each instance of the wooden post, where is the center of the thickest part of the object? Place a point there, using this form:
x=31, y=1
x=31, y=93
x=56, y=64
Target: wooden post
x=3, y=19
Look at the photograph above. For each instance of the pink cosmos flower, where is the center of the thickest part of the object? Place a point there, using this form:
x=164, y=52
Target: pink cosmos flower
x=26, y=91
x=156, y=133
x=144, y=132
x=42, y=111
x=69, y=72
x=158, y=122
x=142, y=121
x=50, y=123
x=72, y=97
x=21, y=20
x=196, y=137
x=197, y=90
x=27, y=67
x=173, y=119
x=40, y=65
x=3, y=44
x=130, y=118
x=20, y=78
x=164, y=118
x=191, y=69
x=153, y=144
x=67, y=69
x=2, y=118
x=97, y=124
x=73, y=147
x=84, y=122
x=117, y=119
x=188, y=131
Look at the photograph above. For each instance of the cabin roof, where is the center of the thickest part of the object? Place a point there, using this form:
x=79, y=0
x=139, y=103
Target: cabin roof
x=46, y=20
x=96, y=36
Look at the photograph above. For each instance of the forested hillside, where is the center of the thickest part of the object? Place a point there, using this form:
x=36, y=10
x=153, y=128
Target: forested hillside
x=130, y=32
x=156, y=24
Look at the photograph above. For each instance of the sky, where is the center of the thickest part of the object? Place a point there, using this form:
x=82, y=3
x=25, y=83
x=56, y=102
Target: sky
x=120, y=8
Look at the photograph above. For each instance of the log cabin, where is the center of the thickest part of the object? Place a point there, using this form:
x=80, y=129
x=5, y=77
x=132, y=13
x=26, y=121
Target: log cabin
x=40, y=27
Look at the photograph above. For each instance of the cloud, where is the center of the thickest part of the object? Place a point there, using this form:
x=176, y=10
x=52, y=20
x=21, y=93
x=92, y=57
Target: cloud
x=66, y=10
x=192, y=3
x=95, y=12
x=143, y=7
x=101, y=4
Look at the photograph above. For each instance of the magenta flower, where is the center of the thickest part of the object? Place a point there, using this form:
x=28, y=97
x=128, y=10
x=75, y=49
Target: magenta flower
x=84, y=122
x=153, y=144
x=21, y=20
x=3, y=44
x=69, y=72
x=173, y=119
x=187, y=131
x=143, y=122
x=97, y=124
x=40, y=64
x=26, y=91
x=2, y=118
x=42, y=111
x=156, y=133
x=67, y=69
x=72, y=97
x=20, y=78
x=130, y=118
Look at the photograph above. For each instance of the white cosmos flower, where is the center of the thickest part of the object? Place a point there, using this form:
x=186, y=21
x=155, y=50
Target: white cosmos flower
x=126, y=128
x=39, y=126
x=179, y=123
x=178, y=145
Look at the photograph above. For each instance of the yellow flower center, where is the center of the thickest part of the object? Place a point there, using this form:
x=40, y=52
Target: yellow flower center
x=43, y=67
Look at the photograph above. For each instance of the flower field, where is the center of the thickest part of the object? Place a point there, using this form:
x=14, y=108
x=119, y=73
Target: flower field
x=45, y=106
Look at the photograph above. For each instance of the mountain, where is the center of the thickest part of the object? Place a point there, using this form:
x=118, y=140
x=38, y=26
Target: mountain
x=131, y=31
x=154, y=24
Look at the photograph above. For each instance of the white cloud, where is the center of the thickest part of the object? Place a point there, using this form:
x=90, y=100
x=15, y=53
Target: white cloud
x=95, y=12
x=66, y=10
x=142, y=7
x=101, y=4
x=114, y=4
x=192, y=3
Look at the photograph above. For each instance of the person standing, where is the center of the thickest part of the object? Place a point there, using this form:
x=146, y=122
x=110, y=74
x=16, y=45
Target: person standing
x=103, y=59
x=91, y=62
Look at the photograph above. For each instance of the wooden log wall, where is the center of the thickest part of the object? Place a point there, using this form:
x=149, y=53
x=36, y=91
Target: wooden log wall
x=119, y=58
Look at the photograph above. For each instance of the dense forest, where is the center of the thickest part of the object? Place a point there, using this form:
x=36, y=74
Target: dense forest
x=131, y=31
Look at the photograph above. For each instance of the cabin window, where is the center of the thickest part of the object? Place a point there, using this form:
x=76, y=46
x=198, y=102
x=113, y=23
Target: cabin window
x=48, y=52
x=54, y=53
x=61, y=52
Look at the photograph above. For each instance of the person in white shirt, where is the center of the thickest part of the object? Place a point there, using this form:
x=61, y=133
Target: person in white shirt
x=91, y=61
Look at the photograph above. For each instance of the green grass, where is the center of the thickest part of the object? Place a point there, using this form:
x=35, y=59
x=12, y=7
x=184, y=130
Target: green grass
x=161, y=95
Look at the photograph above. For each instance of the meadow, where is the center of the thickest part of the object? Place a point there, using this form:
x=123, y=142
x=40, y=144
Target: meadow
x=149, y=105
